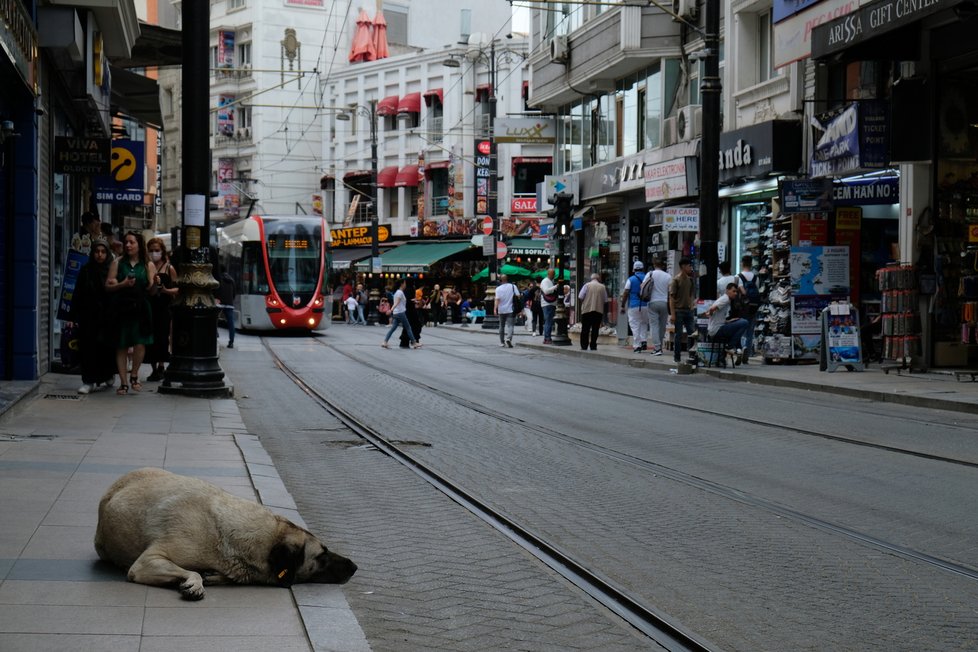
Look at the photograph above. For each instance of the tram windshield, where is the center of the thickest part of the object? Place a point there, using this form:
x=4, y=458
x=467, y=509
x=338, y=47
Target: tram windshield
x=294, y=251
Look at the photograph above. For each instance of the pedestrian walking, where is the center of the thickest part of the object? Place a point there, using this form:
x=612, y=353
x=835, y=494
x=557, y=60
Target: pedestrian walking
x=399, y=317
x=638, y=314
x=361, y=295
x=548, y=302
x=503, y=306
x=158, y=353
x=128, y=282
x=593, y=298
x=532, y=308
x=89, y=313
x=682, y=307
x=658, y=304
x=750, y=304
x=413, y=313
x=226, y=292
x=351, y=310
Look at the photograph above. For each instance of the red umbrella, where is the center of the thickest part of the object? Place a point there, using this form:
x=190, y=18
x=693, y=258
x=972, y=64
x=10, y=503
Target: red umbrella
x=363, y=45
x=380, y=35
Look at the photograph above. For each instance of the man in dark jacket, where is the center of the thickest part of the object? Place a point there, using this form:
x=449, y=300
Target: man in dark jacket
x=225, y=300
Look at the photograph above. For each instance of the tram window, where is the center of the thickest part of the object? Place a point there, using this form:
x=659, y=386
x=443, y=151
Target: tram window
x=293, y=256
x=253, y=279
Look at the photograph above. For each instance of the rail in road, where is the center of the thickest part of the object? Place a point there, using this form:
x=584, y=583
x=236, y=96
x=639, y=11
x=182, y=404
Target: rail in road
x=645, y=618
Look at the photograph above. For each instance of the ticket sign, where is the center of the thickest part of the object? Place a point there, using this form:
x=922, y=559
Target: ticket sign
x=681, y=219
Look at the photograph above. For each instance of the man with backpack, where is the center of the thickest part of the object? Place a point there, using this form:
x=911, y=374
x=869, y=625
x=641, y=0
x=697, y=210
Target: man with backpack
x=507, y=298
x=751, y=302
x=655, y=290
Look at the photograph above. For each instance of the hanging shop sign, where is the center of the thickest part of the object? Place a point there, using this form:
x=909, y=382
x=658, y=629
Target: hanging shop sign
x=125, y=182
x=523, y=205
x=74, y=155
x=856, y=138
x=526, y=131
x=805, y=195
x=359, y=236
x=870, y=21
x=869, y=192
x=485, y=201
x=18, y=39
x=772, y=147
x=785, y=8
x=793, y=36
x=681, y=218
x=671, y=179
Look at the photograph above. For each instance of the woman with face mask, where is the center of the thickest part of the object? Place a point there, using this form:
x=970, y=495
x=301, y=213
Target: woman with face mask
x=158, y=353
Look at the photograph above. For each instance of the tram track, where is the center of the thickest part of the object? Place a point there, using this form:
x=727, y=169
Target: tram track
x=715, y=413
x=688, y=479
x=646, y=619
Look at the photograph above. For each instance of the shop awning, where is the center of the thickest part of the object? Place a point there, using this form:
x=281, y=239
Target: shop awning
x=410, y=103
x=432, y=94
x=436, y=165
x=407, y=177
x=387, y=176
x=387, y=106
x=155, y=46
x=417, y=257
x=345, y=258
x=356, y=173
x=137, y=96
x=483, y=91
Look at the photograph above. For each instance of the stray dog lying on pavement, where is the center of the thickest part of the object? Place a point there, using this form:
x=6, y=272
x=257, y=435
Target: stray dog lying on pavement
x=169, y=529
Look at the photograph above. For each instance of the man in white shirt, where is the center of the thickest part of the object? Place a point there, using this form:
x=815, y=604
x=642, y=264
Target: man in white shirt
x=658, y=305
x=399, y=318
x=548, y=300
x=638, y=314
x=505, y=292
x=723, y=329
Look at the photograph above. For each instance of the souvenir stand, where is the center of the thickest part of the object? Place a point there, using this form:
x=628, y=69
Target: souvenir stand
x=901, y=319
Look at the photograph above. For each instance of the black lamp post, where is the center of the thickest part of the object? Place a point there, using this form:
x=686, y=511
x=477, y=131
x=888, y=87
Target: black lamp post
x=194, y=368
x=374, y=287
x=710, y=89
x=491, y=320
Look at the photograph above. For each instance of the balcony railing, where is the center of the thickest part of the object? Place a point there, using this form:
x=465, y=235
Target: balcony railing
x=436, y=127
x=439, y=205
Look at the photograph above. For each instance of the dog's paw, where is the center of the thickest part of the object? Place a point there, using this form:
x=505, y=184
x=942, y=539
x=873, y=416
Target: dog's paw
x=192, y=588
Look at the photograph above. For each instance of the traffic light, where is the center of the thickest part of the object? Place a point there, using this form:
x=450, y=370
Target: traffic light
x=562, y=202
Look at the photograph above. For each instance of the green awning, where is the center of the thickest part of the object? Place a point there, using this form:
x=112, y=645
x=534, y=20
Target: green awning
x=416, y=257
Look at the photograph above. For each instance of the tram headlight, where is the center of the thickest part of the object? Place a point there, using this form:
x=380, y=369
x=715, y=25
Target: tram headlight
x=271, y=301
x=318, y=301
x=312, y=322
x=282, y=321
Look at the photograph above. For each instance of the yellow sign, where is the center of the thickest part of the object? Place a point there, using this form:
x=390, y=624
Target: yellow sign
x=123, y=164
x=848, y=218
x=973, y=233
x=359, y=236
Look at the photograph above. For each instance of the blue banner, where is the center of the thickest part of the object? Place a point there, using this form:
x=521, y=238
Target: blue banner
x=784, y=8
x=76, y=260
x=836, y=144
x=126, y=179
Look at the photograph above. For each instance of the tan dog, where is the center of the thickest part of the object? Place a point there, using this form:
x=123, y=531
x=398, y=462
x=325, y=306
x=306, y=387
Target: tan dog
x=170, y=529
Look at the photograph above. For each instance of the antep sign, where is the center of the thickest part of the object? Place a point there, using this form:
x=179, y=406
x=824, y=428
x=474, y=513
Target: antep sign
x=358, y=236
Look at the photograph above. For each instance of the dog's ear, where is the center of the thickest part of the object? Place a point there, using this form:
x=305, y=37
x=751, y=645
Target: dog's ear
x=283, y=561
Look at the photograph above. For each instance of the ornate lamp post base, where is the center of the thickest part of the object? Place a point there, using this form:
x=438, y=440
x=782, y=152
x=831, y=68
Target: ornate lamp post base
x=560, y=337
x=194, y=369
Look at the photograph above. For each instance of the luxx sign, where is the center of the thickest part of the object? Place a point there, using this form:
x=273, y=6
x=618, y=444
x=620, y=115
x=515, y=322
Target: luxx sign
x=530, y=131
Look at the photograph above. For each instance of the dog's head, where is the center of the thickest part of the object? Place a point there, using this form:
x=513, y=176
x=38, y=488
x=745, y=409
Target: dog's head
x=301, y=557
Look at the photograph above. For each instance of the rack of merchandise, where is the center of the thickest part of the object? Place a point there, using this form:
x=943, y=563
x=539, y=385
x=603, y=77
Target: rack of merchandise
x=901, y=320
x=774, y=319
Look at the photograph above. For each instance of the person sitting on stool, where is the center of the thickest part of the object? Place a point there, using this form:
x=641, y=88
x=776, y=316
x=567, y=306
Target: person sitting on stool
x=722, y=329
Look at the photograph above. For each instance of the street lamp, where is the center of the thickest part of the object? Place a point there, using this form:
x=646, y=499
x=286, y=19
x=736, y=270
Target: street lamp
x=374, y=296
x=476, y=53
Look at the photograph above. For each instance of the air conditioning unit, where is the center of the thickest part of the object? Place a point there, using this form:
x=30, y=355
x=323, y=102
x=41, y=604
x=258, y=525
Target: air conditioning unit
x=559, y=49
x=669, y=132
x=689, y=123
x=688, y=9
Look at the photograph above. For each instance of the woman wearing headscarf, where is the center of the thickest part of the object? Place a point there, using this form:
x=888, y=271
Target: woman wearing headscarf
x=413, y=316
x=129, y=284
x=158, y=353
x=88, y=311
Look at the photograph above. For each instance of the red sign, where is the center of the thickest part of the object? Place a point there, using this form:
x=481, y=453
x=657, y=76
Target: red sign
x=487, y=225
x=484, y=147
x=501, y=250
x=524, y=205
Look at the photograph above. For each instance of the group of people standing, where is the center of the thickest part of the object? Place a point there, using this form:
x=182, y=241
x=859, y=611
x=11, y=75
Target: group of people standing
x=652, y=299
x=121, y=308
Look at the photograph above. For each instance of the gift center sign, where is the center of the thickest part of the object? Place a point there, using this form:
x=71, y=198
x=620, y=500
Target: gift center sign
x=681, y=219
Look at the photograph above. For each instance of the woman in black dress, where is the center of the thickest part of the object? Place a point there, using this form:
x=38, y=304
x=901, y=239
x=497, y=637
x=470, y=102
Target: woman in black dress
x=158, y=353
x=89, y=310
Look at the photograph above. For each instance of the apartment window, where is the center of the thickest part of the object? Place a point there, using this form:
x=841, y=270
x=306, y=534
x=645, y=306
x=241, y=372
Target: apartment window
x=764, y=38
x=397, y=24
x=244, y=117
x=237, y=4
x=244, y=55
x=466, y=24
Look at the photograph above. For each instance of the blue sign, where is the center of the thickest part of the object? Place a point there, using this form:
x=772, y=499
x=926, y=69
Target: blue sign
x=867, y=192
x=806, y=195
x=785, y=8
x=126, y=179
x=75, y=261
x=858, y=138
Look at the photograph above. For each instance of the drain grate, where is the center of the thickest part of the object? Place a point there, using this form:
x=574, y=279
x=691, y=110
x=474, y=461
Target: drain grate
x=63, y=397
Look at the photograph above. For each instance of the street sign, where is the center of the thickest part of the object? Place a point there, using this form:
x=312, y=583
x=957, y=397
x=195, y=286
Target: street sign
x=487, y=225
x=501, y=250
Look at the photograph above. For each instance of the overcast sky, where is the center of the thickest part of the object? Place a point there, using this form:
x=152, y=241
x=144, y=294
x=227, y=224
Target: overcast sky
x=521, y=19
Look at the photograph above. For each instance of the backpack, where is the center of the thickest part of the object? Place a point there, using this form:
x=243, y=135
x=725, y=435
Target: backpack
x=645, y=289
x=751, y=290
x=517, y=300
